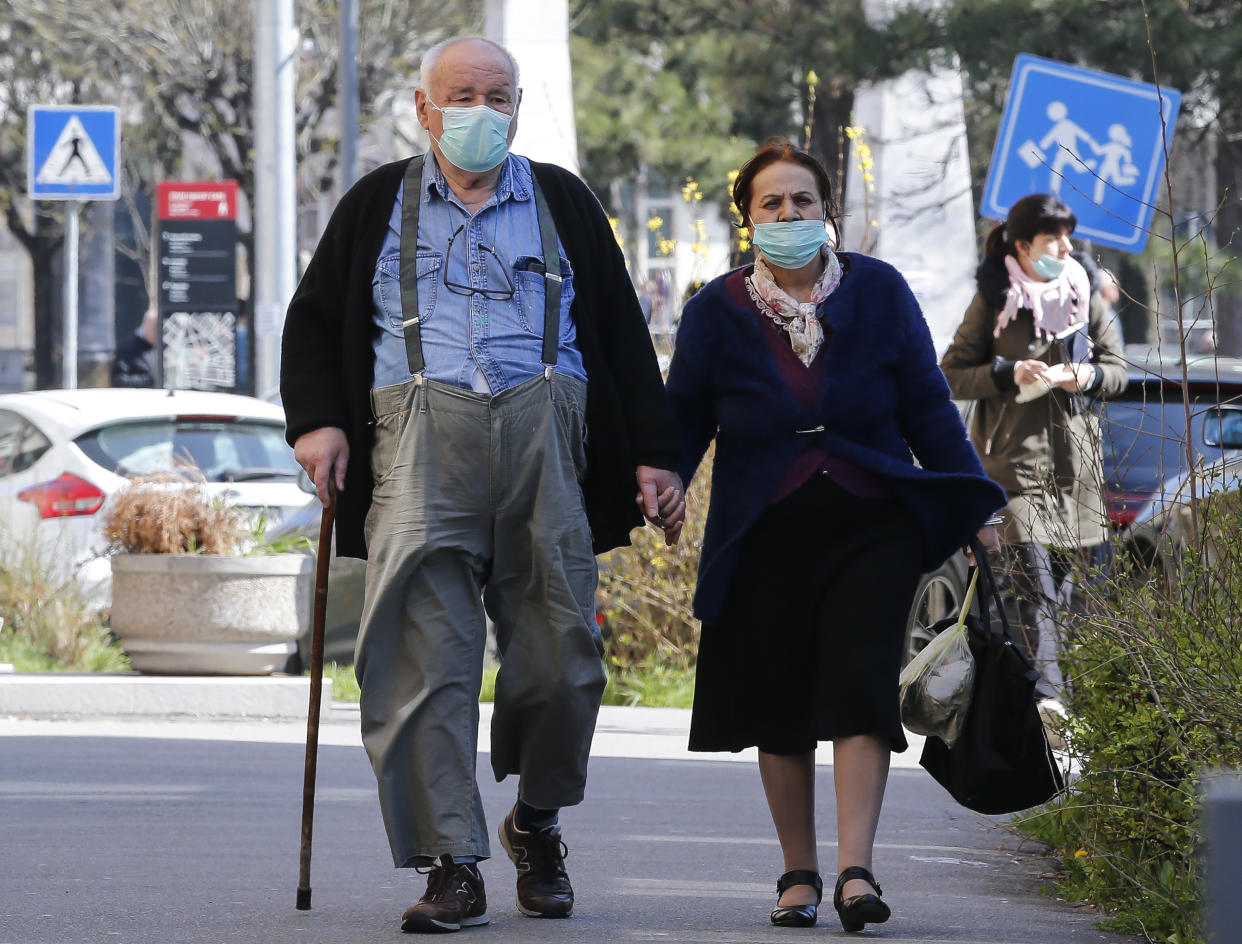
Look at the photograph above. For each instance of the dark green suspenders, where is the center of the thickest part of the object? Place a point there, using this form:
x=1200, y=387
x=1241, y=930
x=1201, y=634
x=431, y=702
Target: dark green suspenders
x=409, y=270
x=551, y=276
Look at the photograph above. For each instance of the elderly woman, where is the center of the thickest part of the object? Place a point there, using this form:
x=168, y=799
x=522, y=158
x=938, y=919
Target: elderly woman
x=1034, y=347
x=814, y=372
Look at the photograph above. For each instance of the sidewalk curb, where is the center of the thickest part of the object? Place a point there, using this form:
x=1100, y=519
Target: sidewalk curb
x=66, y=696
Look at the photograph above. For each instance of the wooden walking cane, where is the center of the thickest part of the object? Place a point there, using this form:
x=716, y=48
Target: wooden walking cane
x=323, y=557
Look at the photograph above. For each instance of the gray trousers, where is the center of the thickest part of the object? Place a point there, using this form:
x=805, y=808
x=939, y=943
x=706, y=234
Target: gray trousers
x=477, y=510
x=1042, y=580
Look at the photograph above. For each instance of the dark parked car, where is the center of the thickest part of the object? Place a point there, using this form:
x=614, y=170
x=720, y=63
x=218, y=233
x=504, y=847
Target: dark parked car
x=939, y=594
x=1147, y=428
x=1163, y=527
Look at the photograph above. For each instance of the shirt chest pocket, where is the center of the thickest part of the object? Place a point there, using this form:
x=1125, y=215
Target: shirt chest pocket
x=387, y=287
x=530, y=293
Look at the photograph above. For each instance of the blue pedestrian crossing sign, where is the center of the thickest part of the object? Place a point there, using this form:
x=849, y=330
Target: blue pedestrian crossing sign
x=73, y=152
x=1095, y=140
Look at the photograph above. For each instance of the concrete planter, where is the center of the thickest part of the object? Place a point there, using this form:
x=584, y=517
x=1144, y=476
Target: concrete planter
x=198, y=614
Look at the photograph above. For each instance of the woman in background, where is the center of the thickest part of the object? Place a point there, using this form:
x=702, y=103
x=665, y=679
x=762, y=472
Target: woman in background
x=1034, y=348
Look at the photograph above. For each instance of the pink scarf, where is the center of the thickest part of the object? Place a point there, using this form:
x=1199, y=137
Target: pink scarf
x=797, y=319
x=1055, y=305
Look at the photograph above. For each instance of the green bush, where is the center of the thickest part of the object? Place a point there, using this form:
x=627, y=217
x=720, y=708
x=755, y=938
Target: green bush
x=344, y=682
x=1156, y=670
x=656, y=686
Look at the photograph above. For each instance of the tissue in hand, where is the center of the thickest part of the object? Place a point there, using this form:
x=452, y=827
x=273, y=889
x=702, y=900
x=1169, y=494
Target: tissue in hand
x=1037, y=388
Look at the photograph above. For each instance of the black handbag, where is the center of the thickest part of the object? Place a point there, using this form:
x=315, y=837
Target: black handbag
x=1001, y=761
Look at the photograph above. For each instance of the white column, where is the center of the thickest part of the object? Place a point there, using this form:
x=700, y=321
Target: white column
x=537, y=33
x=919, y=216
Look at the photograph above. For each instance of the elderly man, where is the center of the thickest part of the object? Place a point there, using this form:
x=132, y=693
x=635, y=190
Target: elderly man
x=466, y=361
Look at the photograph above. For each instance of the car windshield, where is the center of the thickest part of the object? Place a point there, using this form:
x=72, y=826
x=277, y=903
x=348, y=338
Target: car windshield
x=1144, y=441
x=224, y=450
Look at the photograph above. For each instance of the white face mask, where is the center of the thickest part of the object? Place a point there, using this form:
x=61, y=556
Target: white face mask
x=1048, y=267
x=791, y=244
x=475, y=138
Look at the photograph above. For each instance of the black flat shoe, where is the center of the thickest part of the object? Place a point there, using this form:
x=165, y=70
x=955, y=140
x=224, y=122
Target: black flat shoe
x=859, y=910
x=797, y=916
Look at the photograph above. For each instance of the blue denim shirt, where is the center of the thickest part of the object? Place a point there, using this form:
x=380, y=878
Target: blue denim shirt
x=474, y=342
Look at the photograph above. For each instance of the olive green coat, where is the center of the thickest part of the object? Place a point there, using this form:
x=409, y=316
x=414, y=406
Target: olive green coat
x=1045, y=453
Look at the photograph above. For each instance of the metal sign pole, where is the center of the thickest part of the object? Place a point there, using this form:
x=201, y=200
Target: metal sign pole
x=275, y=176
x=70, y=340
x=347, y=95
x=73, y=154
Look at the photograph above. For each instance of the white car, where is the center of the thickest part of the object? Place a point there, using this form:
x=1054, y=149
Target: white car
x=64, y=452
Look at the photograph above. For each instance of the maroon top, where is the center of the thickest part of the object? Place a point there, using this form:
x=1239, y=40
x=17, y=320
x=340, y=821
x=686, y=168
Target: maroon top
x=804, y=383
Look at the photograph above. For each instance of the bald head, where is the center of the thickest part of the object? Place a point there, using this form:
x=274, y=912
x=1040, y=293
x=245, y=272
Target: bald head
x=476, y=48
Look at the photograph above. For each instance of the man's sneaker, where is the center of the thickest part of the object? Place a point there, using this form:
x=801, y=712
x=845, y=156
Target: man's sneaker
x=454, y=900
x=543, y=889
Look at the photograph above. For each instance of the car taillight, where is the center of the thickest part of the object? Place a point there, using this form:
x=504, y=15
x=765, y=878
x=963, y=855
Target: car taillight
x=64, y=497
x=1123, y=507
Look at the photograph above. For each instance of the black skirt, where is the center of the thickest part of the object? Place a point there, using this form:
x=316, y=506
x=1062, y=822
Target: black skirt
x=808, y=646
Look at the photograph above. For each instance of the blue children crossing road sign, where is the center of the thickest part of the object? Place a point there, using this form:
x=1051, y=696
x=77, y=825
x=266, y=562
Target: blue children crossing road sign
x=1095, y=140
x=73, y=152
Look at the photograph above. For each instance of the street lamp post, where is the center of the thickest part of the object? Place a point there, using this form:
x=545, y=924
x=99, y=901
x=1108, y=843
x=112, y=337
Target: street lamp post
x=348, y=94
x=275, y=216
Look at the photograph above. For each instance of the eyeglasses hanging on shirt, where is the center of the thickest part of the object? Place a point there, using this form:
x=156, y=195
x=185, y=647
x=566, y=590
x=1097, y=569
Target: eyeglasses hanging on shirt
x=495, y=294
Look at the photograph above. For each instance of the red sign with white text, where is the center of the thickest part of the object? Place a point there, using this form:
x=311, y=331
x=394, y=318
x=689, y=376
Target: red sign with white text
x=197, y=200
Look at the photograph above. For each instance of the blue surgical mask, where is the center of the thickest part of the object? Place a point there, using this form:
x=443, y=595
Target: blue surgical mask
x=476, y=138
x=1048, y=267
x=790, y=245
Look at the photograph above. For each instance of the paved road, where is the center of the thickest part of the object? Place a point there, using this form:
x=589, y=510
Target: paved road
x=152, y=834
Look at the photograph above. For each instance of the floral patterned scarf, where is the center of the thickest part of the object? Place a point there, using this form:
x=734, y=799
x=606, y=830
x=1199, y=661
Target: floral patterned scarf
x=797, y=319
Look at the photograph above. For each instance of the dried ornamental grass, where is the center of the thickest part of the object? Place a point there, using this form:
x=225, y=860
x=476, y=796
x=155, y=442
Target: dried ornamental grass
x=646, y=592
x=171, y=514
x=46, y=622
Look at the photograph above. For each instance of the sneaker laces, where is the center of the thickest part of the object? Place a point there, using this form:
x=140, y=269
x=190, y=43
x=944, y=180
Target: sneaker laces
x=439, y=881
x=551, y=850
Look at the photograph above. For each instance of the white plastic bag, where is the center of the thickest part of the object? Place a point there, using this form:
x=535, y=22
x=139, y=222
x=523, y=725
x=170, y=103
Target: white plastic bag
x=936, y=685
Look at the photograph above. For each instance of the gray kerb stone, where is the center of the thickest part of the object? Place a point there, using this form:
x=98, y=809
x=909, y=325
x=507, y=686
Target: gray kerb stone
x=132, y=696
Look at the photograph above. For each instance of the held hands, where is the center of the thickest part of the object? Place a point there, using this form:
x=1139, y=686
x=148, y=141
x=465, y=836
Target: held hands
x=324, y=454
x=662, y=501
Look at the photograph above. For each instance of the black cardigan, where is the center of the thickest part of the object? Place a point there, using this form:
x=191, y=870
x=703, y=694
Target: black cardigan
x=328, y=360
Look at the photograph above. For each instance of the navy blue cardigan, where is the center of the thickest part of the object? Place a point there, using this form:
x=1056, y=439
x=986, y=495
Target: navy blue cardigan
x=883, y=398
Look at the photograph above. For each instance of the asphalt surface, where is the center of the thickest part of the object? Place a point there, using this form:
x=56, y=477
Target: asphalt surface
x=189, y=832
